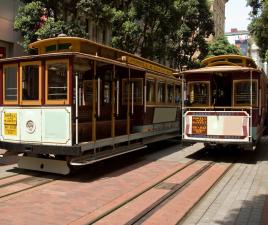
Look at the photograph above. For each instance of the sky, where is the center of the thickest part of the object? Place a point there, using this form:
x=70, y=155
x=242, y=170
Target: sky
x=236, y=15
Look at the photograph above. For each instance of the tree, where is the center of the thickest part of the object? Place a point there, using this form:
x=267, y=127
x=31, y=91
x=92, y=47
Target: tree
x=221, y=46
x=160, y=30
x=258, y=27
x=37, y=20
x=171, y=29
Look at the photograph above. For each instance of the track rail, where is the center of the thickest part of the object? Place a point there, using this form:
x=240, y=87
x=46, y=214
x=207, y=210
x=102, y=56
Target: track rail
x=21, y=183
x=175, y=190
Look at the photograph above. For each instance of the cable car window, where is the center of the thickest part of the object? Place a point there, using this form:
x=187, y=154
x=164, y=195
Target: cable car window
x=57, y=80
x=150, y=90
x=198, y=93
x=30, y=82
x=170, y=93
x=177, y=94
x=137, y=85
x=242, y=92
x=137, y=91
x=10, y=83
x=161, y=92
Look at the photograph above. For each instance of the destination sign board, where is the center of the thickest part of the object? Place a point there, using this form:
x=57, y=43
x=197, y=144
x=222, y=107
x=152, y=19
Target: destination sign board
x=199, y=125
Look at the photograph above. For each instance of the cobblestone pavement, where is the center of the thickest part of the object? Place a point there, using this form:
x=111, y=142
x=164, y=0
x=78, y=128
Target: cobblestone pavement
x=239, y=198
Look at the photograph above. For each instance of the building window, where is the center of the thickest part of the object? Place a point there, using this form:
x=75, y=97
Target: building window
x=2, y=52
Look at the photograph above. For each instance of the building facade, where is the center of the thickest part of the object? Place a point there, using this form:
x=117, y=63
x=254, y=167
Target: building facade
x=8, y=37
x=217, y=7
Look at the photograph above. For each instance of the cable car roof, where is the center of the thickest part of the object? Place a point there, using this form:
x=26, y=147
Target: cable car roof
x=76, y=44
x=214, y=69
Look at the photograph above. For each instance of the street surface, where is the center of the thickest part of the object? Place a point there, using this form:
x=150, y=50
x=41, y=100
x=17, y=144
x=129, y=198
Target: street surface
x=94, y=193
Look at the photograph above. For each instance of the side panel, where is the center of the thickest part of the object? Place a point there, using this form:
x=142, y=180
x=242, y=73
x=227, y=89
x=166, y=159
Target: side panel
x=30, y=125
x=221, y=126
x=164, y=115
x=56, y=126
x=41, y=125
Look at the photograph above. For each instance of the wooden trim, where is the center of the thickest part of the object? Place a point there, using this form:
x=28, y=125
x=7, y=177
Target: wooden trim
x=1, y=84
x=10, y=102
x=31, y=102
x=70, y=78
x=63, y=101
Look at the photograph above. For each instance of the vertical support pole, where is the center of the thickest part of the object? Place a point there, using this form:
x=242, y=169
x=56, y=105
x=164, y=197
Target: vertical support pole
x=94, y=105
x=117, y=97
x=251, y=106
x=76, y=108
x=128, y=103
x=144, y=96
x=113, y=103
x=98, y=110
x=132, y=98
x=182, y=106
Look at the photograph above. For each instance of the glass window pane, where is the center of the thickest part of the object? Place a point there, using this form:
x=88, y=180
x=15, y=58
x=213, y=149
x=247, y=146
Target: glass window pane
x=57, y=81
x=161, y=92
x=137, y=91
x=30, y=82
x=10, y=83
x=150, y=90
x=199, y=93
x=242, y=93
x=170, y=93
x=177, y=94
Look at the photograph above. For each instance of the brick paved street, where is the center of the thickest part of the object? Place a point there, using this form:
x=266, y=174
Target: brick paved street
x=238, y=199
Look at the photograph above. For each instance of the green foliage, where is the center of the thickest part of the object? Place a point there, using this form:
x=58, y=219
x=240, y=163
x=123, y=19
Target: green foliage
x=258, y=27
x=160, y=30
x=38, y=20
x=27, y=21
x=221, y=46
x=171, y=29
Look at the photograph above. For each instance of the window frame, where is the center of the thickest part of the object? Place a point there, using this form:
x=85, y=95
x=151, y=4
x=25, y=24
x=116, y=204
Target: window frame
x=31, y=102
x=165, y=89
x=234, y=89
x=60, y=101
x=152, y=79
x=127, y=80
x=209, y=92
x=167, y=92
x=178, y=84
x=10, y=102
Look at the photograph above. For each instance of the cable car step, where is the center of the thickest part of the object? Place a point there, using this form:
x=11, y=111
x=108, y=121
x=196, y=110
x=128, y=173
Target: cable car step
x=92, y=158
x=44, y=165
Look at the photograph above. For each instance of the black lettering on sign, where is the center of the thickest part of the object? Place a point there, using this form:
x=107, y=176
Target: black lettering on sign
x=199, y=125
